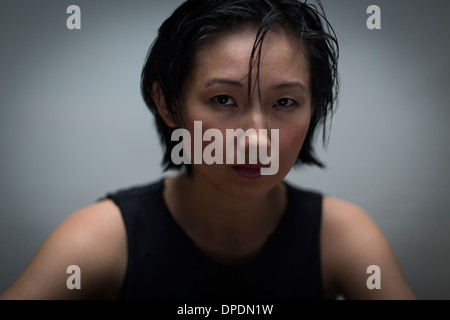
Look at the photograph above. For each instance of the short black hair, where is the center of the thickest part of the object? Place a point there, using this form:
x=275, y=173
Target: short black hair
x=171, y=56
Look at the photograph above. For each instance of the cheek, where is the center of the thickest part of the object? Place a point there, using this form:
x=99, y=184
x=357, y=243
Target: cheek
x=199, y=133
x=291, y=141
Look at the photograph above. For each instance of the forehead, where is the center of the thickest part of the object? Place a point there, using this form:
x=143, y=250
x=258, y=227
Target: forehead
x=228, y=55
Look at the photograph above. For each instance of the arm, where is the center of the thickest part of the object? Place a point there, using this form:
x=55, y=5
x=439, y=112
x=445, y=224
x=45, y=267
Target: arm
x=351, y=242
x=94, y=239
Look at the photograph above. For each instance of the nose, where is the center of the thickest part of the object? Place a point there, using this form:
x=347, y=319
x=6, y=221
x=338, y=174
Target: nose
x=255, y=117
x=256, y=124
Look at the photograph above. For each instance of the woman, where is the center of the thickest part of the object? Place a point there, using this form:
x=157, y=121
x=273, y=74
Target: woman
x=223, y=228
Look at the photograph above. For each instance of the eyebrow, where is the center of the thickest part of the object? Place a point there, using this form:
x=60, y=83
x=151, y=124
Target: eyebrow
x=223, y=81
x=291, y=85
x=230, y=82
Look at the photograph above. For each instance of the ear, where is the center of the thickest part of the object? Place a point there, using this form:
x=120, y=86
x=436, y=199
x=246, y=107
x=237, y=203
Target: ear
x=160, y=103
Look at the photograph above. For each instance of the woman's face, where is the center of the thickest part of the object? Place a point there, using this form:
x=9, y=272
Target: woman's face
x=216, y=94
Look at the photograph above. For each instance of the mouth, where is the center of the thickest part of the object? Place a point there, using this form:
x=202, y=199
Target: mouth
x=249, y=171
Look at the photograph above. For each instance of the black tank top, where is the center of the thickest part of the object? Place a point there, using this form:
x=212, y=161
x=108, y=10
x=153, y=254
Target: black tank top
x=165, y=263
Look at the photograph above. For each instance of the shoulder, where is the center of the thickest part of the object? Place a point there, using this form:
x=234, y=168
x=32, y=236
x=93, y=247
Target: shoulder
x=343, y=220
x=94, y=239
x=351, y=243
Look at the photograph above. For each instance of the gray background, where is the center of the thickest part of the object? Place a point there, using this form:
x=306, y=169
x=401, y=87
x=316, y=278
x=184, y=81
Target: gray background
x=73, y=125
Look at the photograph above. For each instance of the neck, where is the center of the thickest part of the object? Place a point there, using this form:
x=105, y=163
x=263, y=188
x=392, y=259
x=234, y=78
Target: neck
x=221, y=223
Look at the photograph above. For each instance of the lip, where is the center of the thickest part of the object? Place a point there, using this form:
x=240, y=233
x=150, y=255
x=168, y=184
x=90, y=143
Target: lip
x=249, y=171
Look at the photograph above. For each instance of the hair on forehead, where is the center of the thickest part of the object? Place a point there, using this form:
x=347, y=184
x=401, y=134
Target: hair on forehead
x=254, y=62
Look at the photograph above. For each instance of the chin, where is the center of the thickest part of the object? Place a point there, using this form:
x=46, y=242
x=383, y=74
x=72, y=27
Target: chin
x=238, y=186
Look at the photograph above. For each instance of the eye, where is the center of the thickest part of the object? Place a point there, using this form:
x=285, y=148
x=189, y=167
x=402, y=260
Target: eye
x=224, y=100
x=285, y=102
